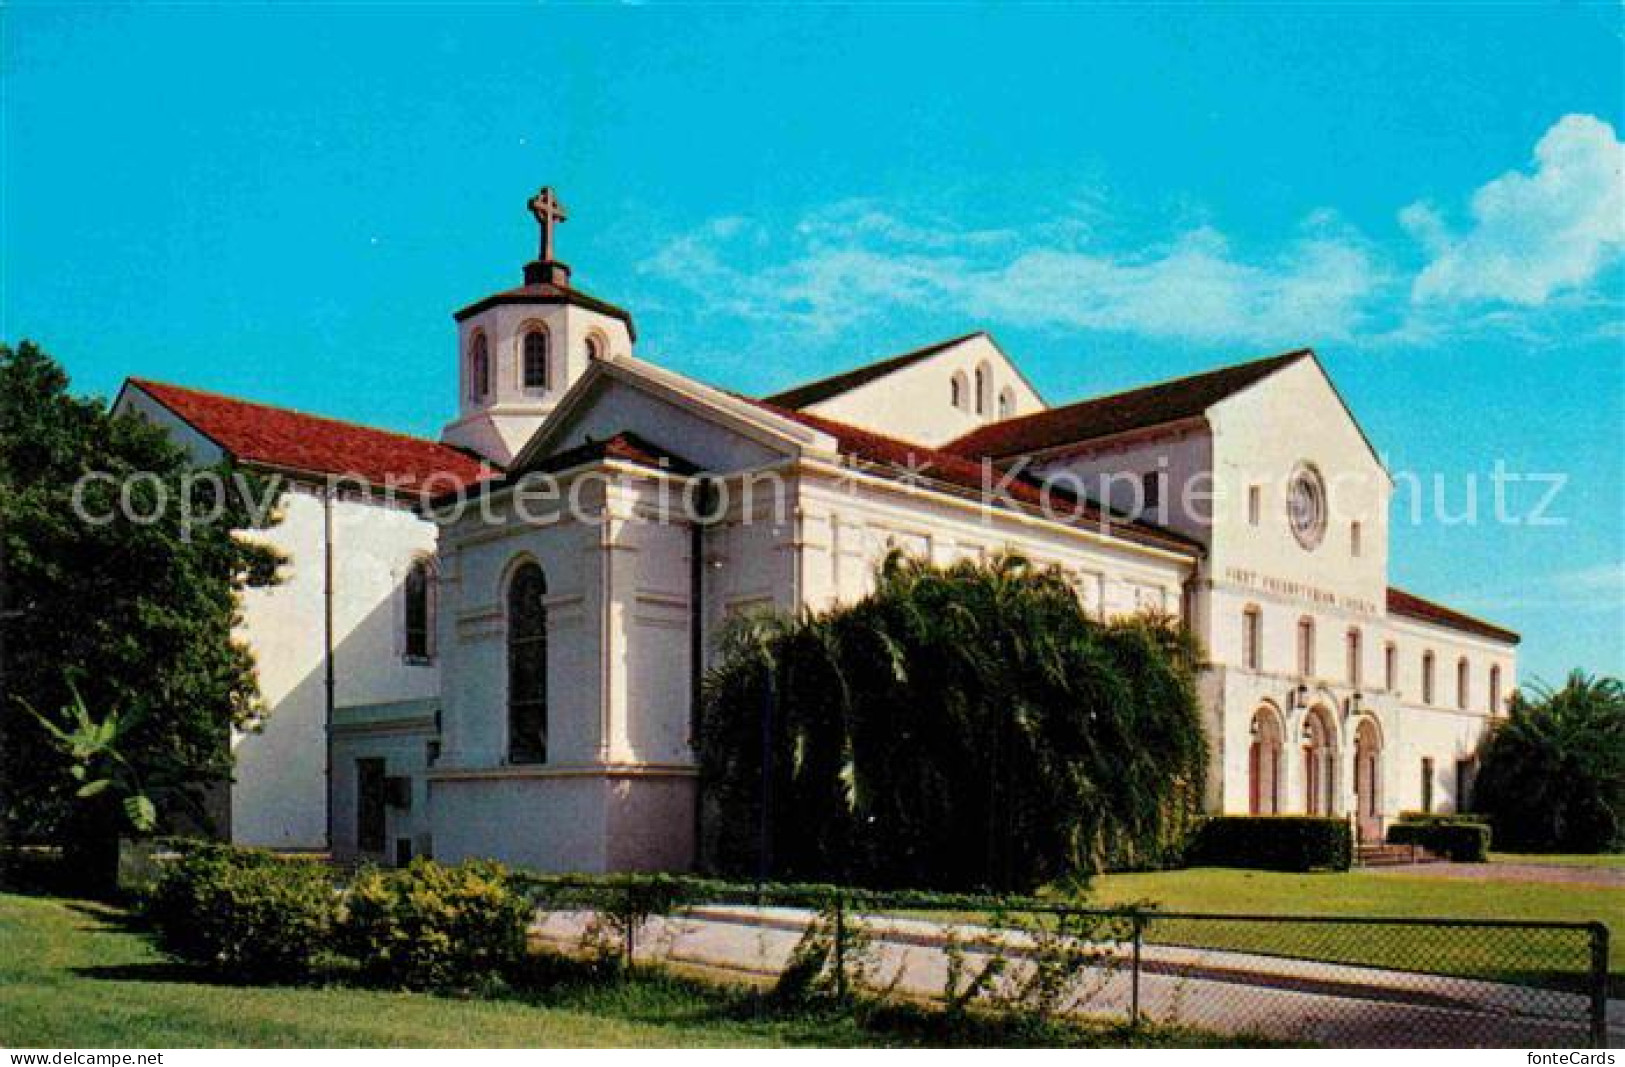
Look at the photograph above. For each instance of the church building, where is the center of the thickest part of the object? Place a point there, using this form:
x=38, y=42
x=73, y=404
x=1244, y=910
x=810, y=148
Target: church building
x=492, y=644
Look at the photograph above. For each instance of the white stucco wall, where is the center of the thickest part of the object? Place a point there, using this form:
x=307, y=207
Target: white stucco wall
x=616, y=788
x=399, y=733
x=915, y=403
x=498, y=424
x=279, y=796
x=1112, y=471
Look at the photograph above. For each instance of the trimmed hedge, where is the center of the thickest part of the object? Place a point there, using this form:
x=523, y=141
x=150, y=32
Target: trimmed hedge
x=430, y=925
x=1458, y=839
x=1273, y=843
x=243, y=914
x=1445, y=819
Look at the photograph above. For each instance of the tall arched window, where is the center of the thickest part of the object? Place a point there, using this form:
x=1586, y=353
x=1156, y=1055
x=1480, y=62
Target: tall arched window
x=1264, y=763
x=956, y=391
x=1252, y=638
x=1306, y=646
x=1007, y=402
x=533, y=362
x=527, y=665
x=595, y=347
x=479, y=368
x=1355, y=654
x=1495, y=690
x=1464, y=676
x=984, y=389
x=419, y=614
x=1319, y=764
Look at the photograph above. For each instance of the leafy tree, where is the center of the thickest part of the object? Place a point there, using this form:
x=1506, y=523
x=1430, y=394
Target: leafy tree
x=1552, y=776
x=135, y=613
x=961, y=727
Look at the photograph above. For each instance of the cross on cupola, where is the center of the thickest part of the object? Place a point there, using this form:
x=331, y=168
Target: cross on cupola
x=549, y=211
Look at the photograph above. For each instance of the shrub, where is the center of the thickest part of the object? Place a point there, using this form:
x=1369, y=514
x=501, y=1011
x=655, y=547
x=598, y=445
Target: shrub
x=1552, y=773
x=1442, y=819
x=431, y=925
x=244, y=915
x=1274, y=843
x=966, y=727
x=1455, y=837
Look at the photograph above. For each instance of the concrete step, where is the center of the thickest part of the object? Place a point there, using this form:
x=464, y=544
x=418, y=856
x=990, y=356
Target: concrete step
x=1383, y=855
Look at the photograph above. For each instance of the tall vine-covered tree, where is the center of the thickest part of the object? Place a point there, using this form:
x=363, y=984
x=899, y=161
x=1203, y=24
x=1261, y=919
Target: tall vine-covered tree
x=131, y=617
x=961, y=727
x=1552, y=774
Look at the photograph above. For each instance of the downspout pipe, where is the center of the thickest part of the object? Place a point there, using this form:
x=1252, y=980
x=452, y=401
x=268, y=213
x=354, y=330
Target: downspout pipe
x=704, y=501
x=329, y=679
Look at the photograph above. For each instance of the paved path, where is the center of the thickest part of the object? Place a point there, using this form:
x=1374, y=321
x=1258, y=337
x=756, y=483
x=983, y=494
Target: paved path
x=1227, y=992
x=1563, y=874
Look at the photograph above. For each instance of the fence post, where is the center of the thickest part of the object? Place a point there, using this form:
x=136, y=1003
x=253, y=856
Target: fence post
x=1134, y=974
x=630, y=913
x=840, y=946
x=1599, y=985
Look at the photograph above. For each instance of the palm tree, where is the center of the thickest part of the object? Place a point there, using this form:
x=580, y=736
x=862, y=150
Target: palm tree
x=1553, y=772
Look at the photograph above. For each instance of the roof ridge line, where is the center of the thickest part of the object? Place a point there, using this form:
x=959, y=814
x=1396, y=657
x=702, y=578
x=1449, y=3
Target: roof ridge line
x=883, y=366
x=1162, y=383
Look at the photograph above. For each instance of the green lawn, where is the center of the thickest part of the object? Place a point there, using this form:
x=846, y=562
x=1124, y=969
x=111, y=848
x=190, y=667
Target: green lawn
x=1361, y=893
x=73, y=975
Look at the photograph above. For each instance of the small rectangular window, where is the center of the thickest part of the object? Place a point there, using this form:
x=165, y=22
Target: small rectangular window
x=1390, y=667
x=1354, y=539
x=1252, y=638
x=1427, y=678
x=1151, y=490
x=1427, y=785
x=1255, y=505
x=1306, y=647
x=1354, y=657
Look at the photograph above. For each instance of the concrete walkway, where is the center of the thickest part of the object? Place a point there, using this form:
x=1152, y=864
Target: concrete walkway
x=1558, y=873
x=1226, y=992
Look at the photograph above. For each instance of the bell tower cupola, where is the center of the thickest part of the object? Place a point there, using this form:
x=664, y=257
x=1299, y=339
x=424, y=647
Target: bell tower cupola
x=521, y=349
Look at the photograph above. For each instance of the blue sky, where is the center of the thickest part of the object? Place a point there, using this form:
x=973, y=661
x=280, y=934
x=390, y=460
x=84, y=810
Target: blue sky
x=288, y=204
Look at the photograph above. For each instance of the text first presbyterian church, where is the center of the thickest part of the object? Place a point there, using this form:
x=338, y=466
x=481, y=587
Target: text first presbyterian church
x=519, y=682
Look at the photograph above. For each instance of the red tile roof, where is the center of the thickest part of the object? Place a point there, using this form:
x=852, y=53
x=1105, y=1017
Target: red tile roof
x=905, y=461
x=1151, y=405
x=276, y=437
x=1412, y=606
x=824, y=388
x=626, y=446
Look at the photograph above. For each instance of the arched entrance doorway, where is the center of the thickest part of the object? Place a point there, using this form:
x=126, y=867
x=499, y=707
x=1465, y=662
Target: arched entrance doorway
x=1264, y=763
x=1319, y=763
x=1368, y=780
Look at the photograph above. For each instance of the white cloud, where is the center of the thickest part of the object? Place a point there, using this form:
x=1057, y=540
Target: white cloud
x=1536, y=234
x=1523, y=264
x=857, y=259
x=1194, y=287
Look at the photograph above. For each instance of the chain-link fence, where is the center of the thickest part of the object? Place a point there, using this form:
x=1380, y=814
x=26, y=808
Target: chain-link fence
x=1367, y=982
x=1348, y=982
